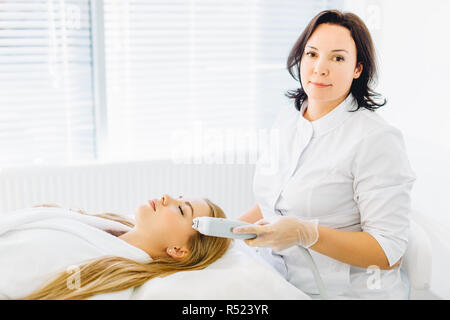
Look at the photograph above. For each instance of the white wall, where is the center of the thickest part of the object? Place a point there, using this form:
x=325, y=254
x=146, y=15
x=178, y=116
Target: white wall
x=412, y=42
x=414, y=67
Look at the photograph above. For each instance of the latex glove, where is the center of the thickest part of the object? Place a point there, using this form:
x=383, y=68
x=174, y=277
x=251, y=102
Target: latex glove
x=281, y=233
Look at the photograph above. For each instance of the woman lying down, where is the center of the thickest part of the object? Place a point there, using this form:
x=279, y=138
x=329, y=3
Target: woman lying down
x=49, y=252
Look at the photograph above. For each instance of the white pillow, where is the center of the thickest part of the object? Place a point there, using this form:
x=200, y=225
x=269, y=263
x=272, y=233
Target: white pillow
x=239, y=275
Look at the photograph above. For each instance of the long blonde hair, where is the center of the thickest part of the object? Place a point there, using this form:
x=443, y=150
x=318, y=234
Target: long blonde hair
x=110, y=273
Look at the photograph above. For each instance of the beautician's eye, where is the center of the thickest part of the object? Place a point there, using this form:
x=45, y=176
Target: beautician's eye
x=339, y=57
x=309, y=52
x=181, y=210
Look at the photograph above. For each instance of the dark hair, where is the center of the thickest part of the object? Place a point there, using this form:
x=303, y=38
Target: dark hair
x=361, y=87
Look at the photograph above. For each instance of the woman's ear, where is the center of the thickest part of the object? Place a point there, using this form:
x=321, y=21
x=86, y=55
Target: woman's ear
x=358, y=70
x=177, y=253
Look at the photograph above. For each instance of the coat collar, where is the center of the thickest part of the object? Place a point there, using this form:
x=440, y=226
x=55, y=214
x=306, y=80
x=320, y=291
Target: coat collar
x=332, y=119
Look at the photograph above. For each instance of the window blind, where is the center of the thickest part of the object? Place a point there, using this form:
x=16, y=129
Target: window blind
x=171, y=67
x=183, y=67
x=46, y=103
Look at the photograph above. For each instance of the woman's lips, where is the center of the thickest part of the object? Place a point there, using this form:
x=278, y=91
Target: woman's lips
x=320, y=85
x=152, y=204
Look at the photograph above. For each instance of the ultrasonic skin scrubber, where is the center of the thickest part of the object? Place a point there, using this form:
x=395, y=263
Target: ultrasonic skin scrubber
x=219, y=227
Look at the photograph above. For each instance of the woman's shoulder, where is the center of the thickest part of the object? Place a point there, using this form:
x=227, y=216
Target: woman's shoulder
x=369, y=123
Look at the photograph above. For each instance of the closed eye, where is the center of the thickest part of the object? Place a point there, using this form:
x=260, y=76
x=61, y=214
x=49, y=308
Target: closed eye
x=190, y=206
x=181, y=210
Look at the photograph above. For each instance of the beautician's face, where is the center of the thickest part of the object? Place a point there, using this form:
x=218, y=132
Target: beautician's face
x=171, y=223
x=322, y=64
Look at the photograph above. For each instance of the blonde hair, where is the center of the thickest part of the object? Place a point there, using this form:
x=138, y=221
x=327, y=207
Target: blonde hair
x=110, y=273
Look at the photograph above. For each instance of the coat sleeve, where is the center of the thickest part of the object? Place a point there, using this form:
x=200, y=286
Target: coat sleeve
x=383, y=181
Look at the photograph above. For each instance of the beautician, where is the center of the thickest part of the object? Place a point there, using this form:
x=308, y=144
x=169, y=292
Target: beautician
x=343, y=183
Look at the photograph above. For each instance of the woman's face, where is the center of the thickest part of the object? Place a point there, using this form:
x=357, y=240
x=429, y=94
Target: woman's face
x=329, y=58
x=167, y=222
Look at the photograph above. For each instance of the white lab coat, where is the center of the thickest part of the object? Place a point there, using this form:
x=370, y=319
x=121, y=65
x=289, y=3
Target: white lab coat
x=350, y=170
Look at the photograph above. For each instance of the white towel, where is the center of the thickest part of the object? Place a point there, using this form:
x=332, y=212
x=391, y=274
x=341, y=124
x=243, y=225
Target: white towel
x=36, y=244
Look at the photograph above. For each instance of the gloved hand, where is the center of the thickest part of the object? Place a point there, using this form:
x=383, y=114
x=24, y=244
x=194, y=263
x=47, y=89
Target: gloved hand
x=281, y=232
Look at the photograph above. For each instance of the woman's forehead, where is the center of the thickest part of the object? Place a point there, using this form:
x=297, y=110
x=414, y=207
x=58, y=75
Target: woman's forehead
x=328, y=37
x=190, y=198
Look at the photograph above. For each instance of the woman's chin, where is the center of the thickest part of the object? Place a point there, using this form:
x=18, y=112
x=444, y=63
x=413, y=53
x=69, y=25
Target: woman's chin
x=143, y=215
x=319, y=95
x=143, y=210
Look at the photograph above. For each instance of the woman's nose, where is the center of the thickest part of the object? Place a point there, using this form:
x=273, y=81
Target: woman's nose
x=321, y=68
x=165, y=199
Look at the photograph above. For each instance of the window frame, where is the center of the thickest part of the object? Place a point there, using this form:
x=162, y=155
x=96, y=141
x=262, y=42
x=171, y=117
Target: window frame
x=99, y=80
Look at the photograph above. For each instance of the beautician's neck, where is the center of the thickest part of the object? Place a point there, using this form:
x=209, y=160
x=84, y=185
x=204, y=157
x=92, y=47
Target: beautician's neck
x=318, y=109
